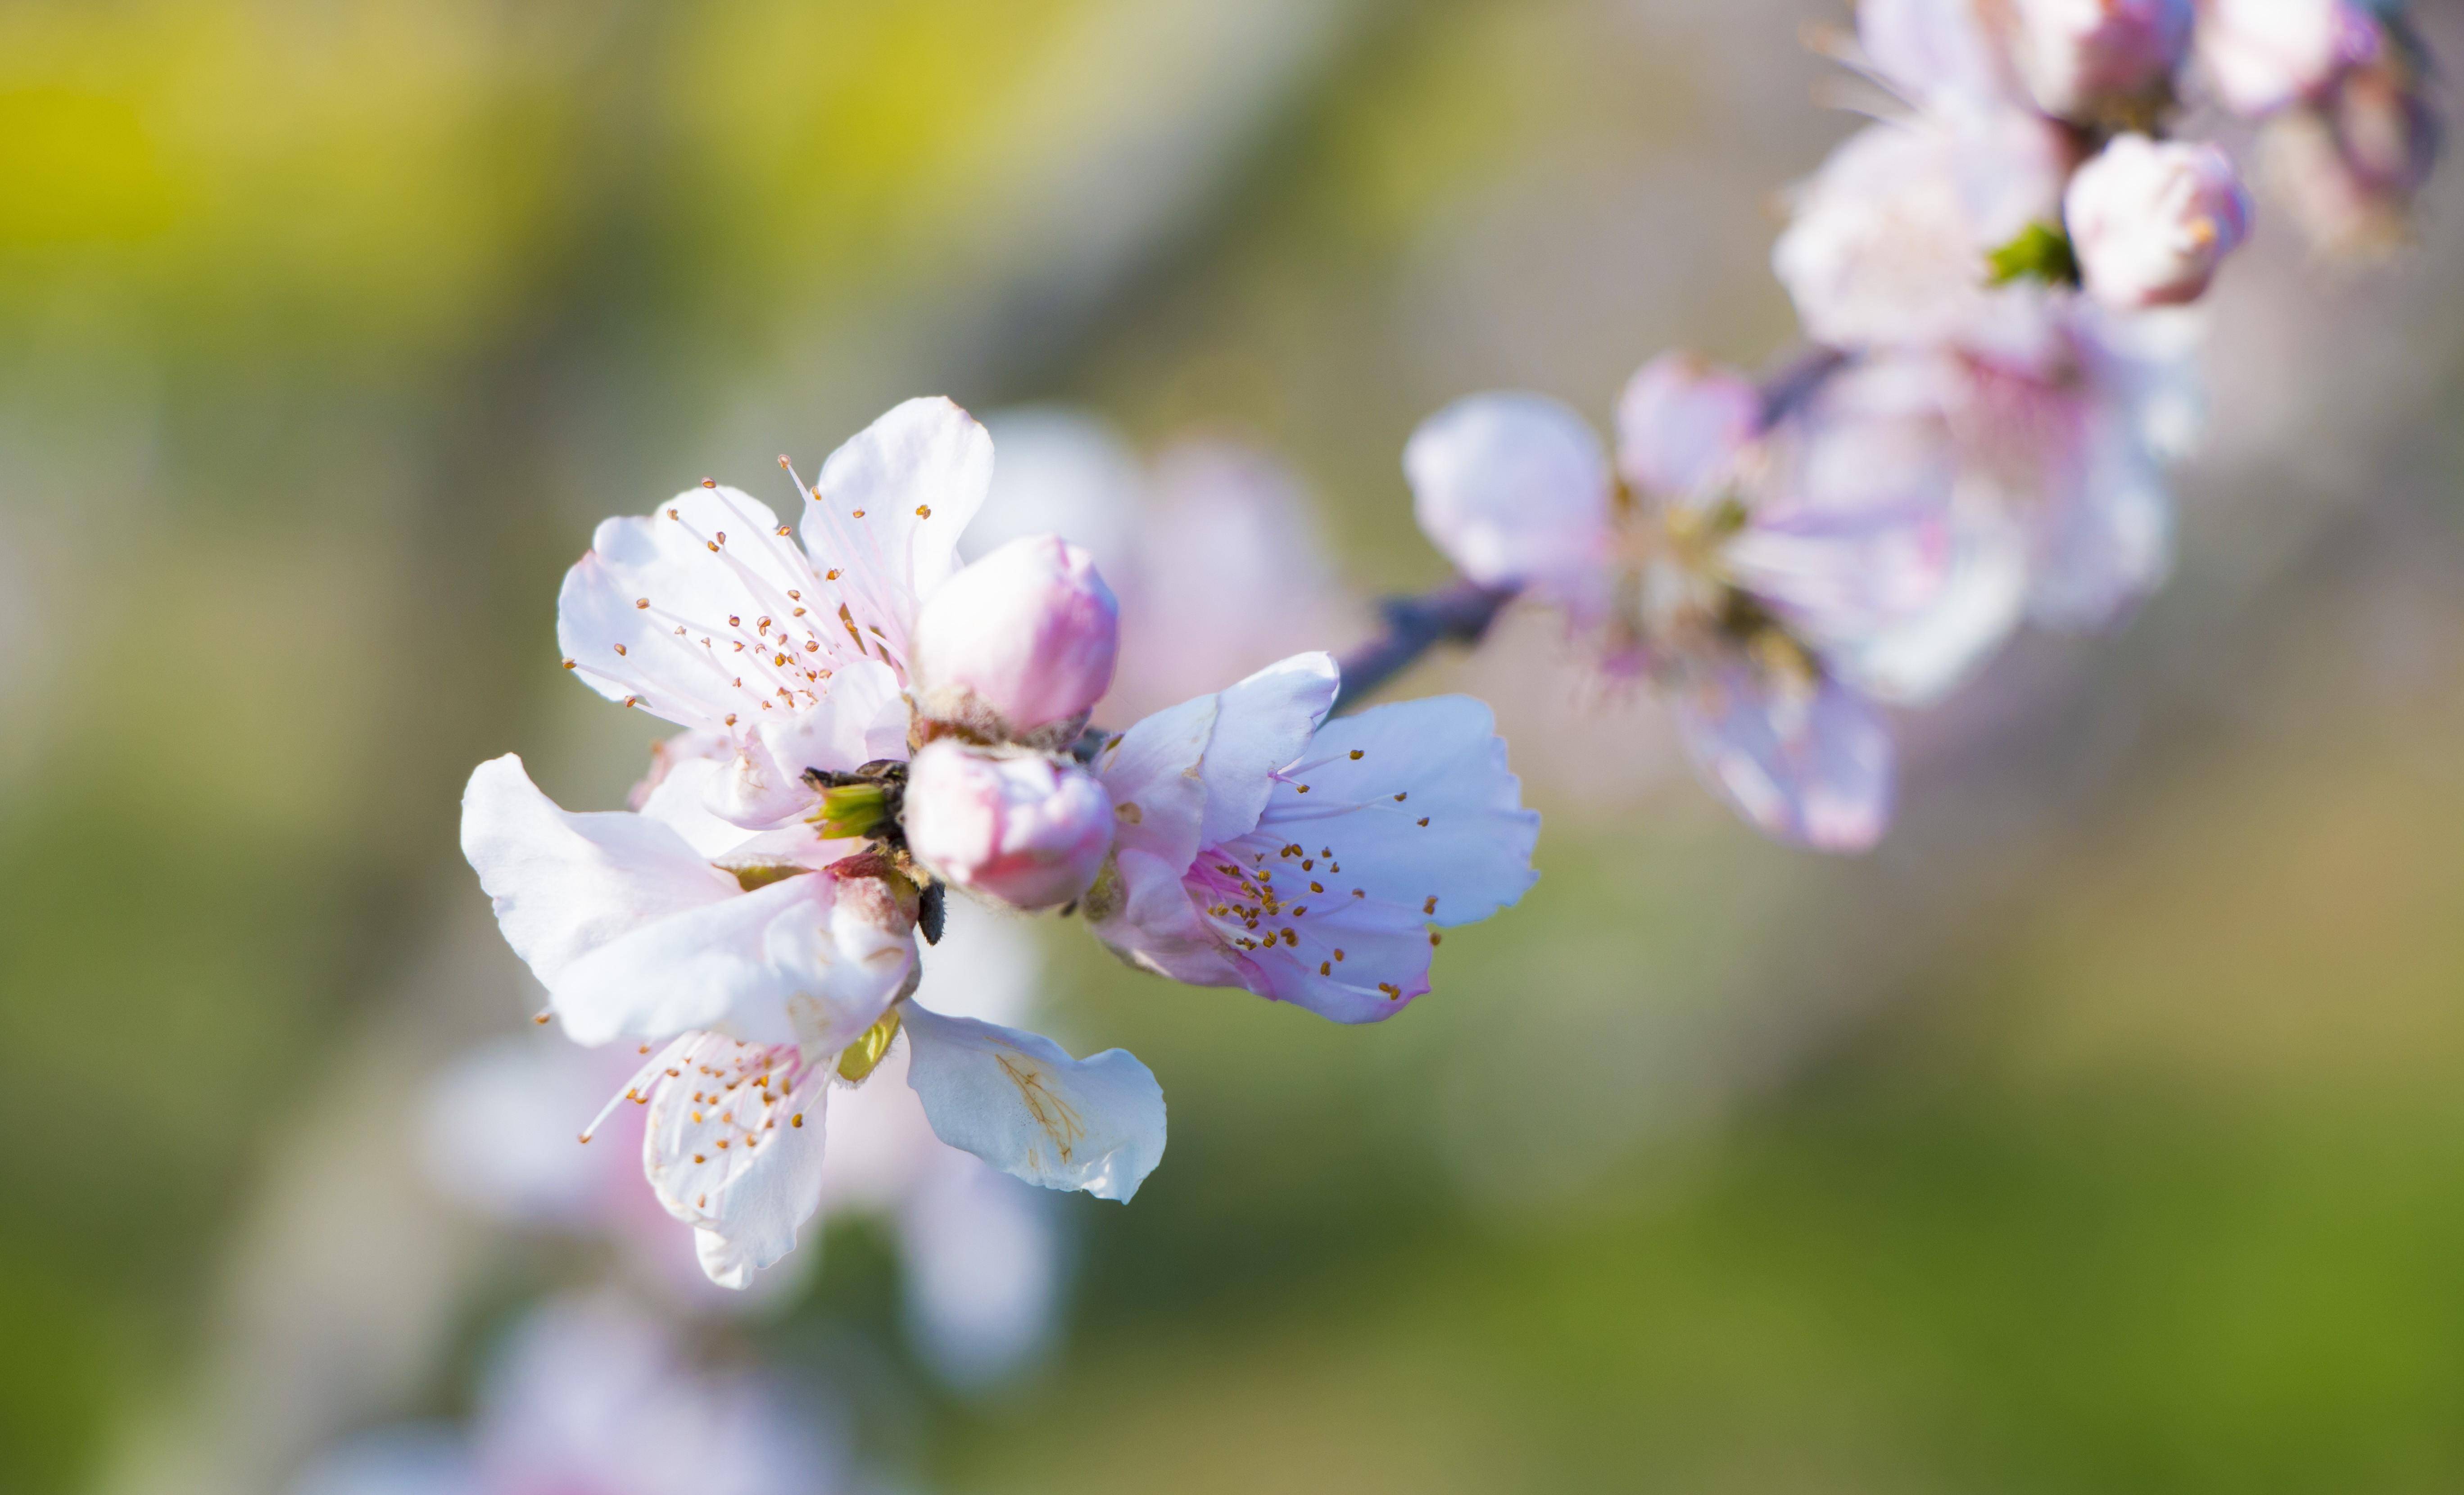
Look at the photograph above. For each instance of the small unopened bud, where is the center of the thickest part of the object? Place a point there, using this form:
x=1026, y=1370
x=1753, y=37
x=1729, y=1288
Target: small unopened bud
x=2260, y=56
x=1027, y=829
x=2151, y=221
x=1020, y=641
x=2087, y=60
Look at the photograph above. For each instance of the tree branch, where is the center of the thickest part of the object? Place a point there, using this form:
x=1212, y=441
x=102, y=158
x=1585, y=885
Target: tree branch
x=1457, y=613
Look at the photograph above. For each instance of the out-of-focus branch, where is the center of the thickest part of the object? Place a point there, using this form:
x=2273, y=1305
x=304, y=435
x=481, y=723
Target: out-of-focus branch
x=1457, y=613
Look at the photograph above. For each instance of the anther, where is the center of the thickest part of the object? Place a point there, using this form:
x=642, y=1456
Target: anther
x=923, y=511
x=641, y=602
x=1357, y=754
x=707, y=482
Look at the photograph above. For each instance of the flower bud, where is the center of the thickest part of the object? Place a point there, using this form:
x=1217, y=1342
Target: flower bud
x=1022, y=640
x=1027, y=829
x=2151, y=221
x=2088, y=58
x=2261, y=55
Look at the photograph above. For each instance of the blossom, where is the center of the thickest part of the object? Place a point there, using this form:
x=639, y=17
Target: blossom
x=1021, y=643
x=1725, y=563
x=1262, y=845
x=1206, y=518
x=2262, y=55
x=2151, y=221
x=980, y=1257
x=590, y=1398
x=756, y=915
x=769, y=985
x=1889, y=244
x=2085, y=60
x=2350, y=164
x=1027, y=829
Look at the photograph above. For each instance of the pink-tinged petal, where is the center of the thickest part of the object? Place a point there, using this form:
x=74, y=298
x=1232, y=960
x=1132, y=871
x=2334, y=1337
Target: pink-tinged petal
x=565, y=885
x=1515, y=490
x=1152, y=772
x=1804, y=761
x=1888, y=242
x=686, y=612
x=2105, y=540
x=809, y=960
x=733, y=1149
x=1414, y=803
x=863, y=716
x=892, y=502
x=1143, y=911
x=1021, y=1104
x=1682, y=424
x=1261, y=724
x=1920, y=657
x=1935, y=50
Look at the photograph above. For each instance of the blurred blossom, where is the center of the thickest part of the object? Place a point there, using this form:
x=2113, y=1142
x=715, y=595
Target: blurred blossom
x=980, y=1254
x=2349, y=165
x=589, y=1398
x=1208, y=518
x=2092, y=60
x=1887, y=245
x=2151, y=221
x=2262, y=55
x=1719, y=562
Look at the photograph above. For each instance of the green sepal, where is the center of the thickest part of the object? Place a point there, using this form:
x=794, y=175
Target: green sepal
x=2043, y=251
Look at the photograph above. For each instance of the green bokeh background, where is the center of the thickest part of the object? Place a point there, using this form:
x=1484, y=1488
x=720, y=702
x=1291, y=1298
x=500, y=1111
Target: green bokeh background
x=2101, y=1134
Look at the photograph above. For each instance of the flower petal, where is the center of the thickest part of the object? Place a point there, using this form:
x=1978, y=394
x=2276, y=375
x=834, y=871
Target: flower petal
x=1919, y=658
x=982, y=1257
x=565, y=885
x=1021, y=1104
x=734, y=1148
x=1806, y=762
x=1152, y=772
x=1417, y=808
x=893, y=503
x=1681, y=424
x=804, y=960
x=711, y=563
x=1261, y=725
x=1514, y=489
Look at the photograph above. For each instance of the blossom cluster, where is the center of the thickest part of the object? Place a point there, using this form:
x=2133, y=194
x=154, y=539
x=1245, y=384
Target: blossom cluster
x=871, y=728
x=1999, y=276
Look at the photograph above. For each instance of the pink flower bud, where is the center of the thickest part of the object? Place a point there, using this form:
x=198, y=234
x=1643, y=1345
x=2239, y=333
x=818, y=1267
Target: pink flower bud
x=2260, y=56
x=2086, y=57
x=1028, y=830
x=2151, y=221
x=1025, y=639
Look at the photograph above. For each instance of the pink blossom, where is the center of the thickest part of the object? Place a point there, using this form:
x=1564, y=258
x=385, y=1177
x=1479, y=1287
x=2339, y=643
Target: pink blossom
x=1026, y=829
x=2085, y=60
x=1021, y=643
x=2350, y=164
x=2151, y=221
x=2263, y=55
x=1310, y=861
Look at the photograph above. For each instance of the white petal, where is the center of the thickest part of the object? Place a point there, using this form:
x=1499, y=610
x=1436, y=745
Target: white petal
x=799, y=961
x=565, y=885
x=501, y=1130
x=1681, y=424
x=1921, y=658
x=739, y=1160
x=2104, y=538
x=917, y=477
x=1438, y=760
x=1021, y=1104
x=1152, y=772
x=1809, y=763
x=1514, y=488
x=862, y=717
x=626, y=650
x=1261, y=724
